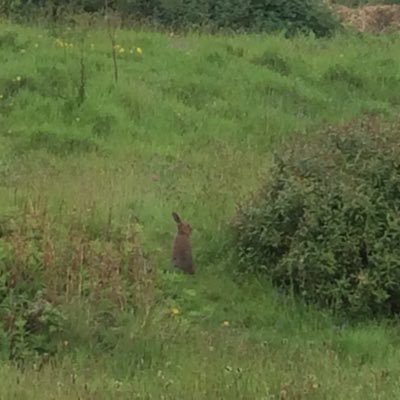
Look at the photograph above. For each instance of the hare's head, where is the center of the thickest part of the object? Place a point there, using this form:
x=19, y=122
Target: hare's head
x=183, y=227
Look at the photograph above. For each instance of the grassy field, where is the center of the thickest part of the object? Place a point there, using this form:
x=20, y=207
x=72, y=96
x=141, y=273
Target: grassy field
x=189, y=126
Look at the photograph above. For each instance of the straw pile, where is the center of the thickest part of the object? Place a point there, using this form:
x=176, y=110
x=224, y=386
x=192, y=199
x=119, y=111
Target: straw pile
x=373, y=19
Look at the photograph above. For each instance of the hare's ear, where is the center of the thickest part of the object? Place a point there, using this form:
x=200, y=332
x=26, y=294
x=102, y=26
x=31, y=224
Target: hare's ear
x=176, y=218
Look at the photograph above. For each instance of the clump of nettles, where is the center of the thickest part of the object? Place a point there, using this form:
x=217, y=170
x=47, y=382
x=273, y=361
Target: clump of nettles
x=326, y=225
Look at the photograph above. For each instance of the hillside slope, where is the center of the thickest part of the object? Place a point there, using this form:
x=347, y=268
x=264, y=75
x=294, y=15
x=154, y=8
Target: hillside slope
x=189, y=126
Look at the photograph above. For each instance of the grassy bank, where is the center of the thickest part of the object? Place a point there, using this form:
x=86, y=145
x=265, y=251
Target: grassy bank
x=189, y=126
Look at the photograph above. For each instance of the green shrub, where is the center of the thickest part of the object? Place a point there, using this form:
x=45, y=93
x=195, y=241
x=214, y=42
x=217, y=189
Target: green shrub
x=238, y=15
x=326, y=225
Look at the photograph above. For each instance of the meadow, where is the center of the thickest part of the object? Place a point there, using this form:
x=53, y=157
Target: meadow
x=190, y=126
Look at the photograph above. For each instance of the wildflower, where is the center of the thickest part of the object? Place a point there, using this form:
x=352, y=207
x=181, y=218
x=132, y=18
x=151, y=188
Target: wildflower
x=362, y=278
x=139, y=50
x=174, y=311
x=62, y=44
x=121, y=50
x=18, y=78
x=225, y=323
x=59, y=43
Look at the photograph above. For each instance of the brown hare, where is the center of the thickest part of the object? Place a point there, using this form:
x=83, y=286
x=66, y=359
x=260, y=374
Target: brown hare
x=182, y=247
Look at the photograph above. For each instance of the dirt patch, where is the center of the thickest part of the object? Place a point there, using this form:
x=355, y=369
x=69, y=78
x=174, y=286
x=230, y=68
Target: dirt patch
x=374, y=19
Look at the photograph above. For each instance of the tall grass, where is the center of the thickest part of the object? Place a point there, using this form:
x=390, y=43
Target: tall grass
x=189, y=126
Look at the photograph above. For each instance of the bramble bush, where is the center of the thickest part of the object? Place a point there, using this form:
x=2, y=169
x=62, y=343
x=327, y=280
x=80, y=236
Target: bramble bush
x=326, y=225
x=291, y=16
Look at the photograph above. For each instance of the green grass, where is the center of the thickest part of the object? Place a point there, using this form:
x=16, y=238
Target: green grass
x=190, y=126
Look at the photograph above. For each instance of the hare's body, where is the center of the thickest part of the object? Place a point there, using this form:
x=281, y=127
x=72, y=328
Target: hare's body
x=182, y=247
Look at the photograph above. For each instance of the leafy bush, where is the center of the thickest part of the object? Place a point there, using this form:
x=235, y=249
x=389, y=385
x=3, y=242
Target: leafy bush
x=250, y=15
x=326, y=225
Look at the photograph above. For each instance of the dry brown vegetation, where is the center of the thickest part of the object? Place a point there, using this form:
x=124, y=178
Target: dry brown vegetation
x=373, y=19
x=53, y=260
x=75, y=256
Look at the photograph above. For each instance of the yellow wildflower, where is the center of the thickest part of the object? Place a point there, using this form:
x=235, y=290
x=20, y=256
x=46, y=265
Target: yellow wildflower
x=225, y=323
x=174, y=311
x=61, y=43
x=139, y=50
x=121, y=50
